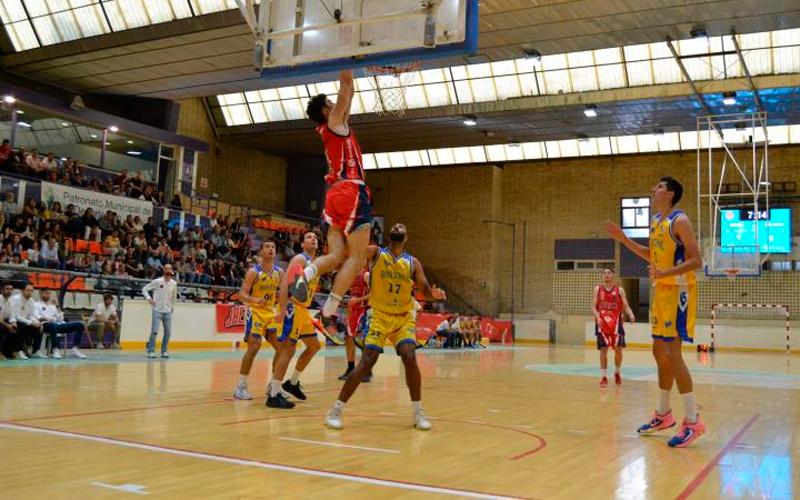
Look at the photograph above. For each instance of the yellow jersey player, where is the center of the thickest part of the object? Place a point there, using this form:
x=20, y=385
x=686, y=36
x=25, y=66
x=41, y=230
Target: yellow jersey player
x=296, y=324
x=673, y=255
x=393, y=276
x=259, y=292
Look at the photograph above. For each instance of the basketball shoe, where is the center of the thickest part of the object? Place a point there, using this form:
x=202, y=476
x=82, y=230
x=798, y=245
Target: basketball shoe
x=688, y=433
x=618, y=378
x=657, y=423
x=604, y=382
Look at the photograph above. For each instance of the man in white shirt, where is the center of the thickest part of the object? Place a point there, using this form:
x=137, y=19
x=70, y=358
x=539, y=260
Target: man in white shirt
x=446, y=330
x=53, y=324
x=165, y=293
x=9, y=338
x=22, y=314
x=104, y=318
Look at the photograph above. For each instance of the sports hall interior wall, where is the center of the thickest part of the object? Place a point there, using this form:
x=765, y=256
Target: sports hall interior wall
x=560, y=199
x=238, y=175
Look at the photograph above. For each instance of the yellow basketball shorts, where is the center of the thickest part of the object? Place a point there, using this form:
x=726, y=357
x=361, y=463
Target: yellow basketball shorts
x=259, y=322
x=395, y=328
x=673, y=312
x=297, y=323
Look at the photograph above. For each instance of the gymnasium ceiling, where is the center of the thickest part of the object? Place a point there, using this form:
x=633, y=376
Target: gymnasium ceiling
x=211, y=54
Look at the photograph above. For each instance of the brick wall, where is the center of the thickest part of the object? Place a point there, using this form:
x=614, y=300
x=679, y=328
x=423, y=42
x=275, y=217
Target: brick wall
x=443, y=208
x=240, y=176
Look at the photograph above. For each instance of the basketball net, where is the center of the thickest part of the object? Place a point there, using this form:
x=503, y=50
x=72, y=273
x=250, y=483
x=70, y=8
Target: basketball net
x=390, y=84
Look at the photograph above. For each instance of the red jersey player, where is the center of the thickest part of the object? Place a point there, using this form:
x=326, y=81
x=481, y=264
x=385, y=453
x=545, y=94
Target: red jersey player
x=356, y=307
x=348, y=204
x=608, y=303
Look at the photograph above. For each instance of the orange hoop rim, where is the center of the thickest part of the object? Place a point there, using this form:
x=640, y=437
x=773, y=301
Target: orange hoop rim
x=732, y=272
x=394, y=69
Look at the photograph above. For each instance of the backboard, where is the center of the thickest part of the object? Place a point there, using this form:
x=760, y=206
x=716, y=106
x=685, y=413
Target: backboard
x=297, y=40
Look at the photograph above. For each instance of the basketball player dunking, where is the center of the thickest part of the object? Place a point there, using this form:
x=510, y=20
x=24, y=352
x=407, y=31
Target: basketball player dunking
x=673, y=256
x=608, y=303
x=393, y=276
x=348, y=208
x=260, y=292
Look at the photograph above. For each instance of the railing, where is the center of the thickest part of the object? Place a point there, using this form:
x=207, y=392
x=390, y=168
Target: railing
x=455, y=302
x=81, y=282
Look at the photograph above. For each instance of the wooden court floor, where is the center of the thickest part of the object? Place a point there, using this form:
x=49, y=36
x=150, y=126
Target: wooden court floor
x=526, y=422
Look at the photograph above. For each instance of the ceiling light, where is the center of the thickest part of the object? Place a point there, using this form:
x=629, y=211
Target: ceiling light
x=699, y=33
x=20, y=112
x=533, y=54
x=470, y=121
x=93, y=136
x=113, y=128
x=134, y=153
x=24, y=124
x=64, y=124
x=9, y=99
x=729, y=98
x=108, y=144
x=590, y=111
x=129, y=142
x=765, y=183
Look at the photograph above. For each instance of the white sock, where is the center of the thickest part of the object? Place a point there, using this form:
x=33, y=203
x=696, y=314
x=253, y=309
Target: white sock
x=339, y=405
x=331, y=305
x=295, y=376
x=417, y=405
x=688, y=407
x=310, y=272
x=663, y=402
x=243, y=381
x=616, y=369
x=276, y=387
x=604, y=372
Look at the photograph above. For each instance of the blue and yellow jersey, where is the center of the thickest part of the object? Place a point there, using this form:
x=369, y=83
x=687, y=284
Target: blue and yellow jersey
x=312, y=285
x=391, y=283
x=666, y=251
x=266, y=286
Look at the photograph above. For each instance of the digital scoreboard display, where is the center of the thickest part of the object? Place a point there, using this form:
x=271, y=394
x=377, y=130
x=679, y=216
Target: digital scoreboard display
x=738, y=230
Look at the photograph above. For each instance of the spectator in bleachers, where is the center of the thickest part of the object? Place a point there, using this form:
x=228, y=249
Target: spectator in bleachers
x=33, y=163
x=22, y=315
x=104, y=319
x=48, y=164
x=9, y=207
x=53, y=324
x=5, y=154
x=175, y=203
x=48, y=255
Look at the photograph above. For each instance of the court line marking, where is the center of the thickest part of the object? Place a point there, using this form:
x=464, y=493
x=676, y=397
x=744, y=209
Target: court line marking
x=128, y=488
x=247, y=462
x=338, y=445
x=122, y=410
x=705, y=471
x=541, y=440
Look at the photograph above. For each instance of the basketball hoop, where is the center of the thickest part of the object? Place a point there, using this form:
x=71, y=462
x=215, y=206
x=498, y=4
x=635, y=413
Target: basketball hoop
x=732, y=272
x=390, y=84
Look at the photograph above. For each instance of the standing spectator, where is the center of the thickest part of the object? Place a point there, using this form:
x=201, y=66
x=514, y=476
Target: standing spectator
x=10, y=342
x=53, y=324
x=9, y=207
x=49, y=164
x=104, y=318
x=5, y=154
x=33, y=163
x=165, y=293
x=22, y=315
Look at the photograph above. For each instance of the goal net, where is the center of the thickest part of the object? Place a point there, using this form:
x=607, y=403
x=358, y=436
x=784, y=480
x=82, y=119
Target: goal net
x=751, y=326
